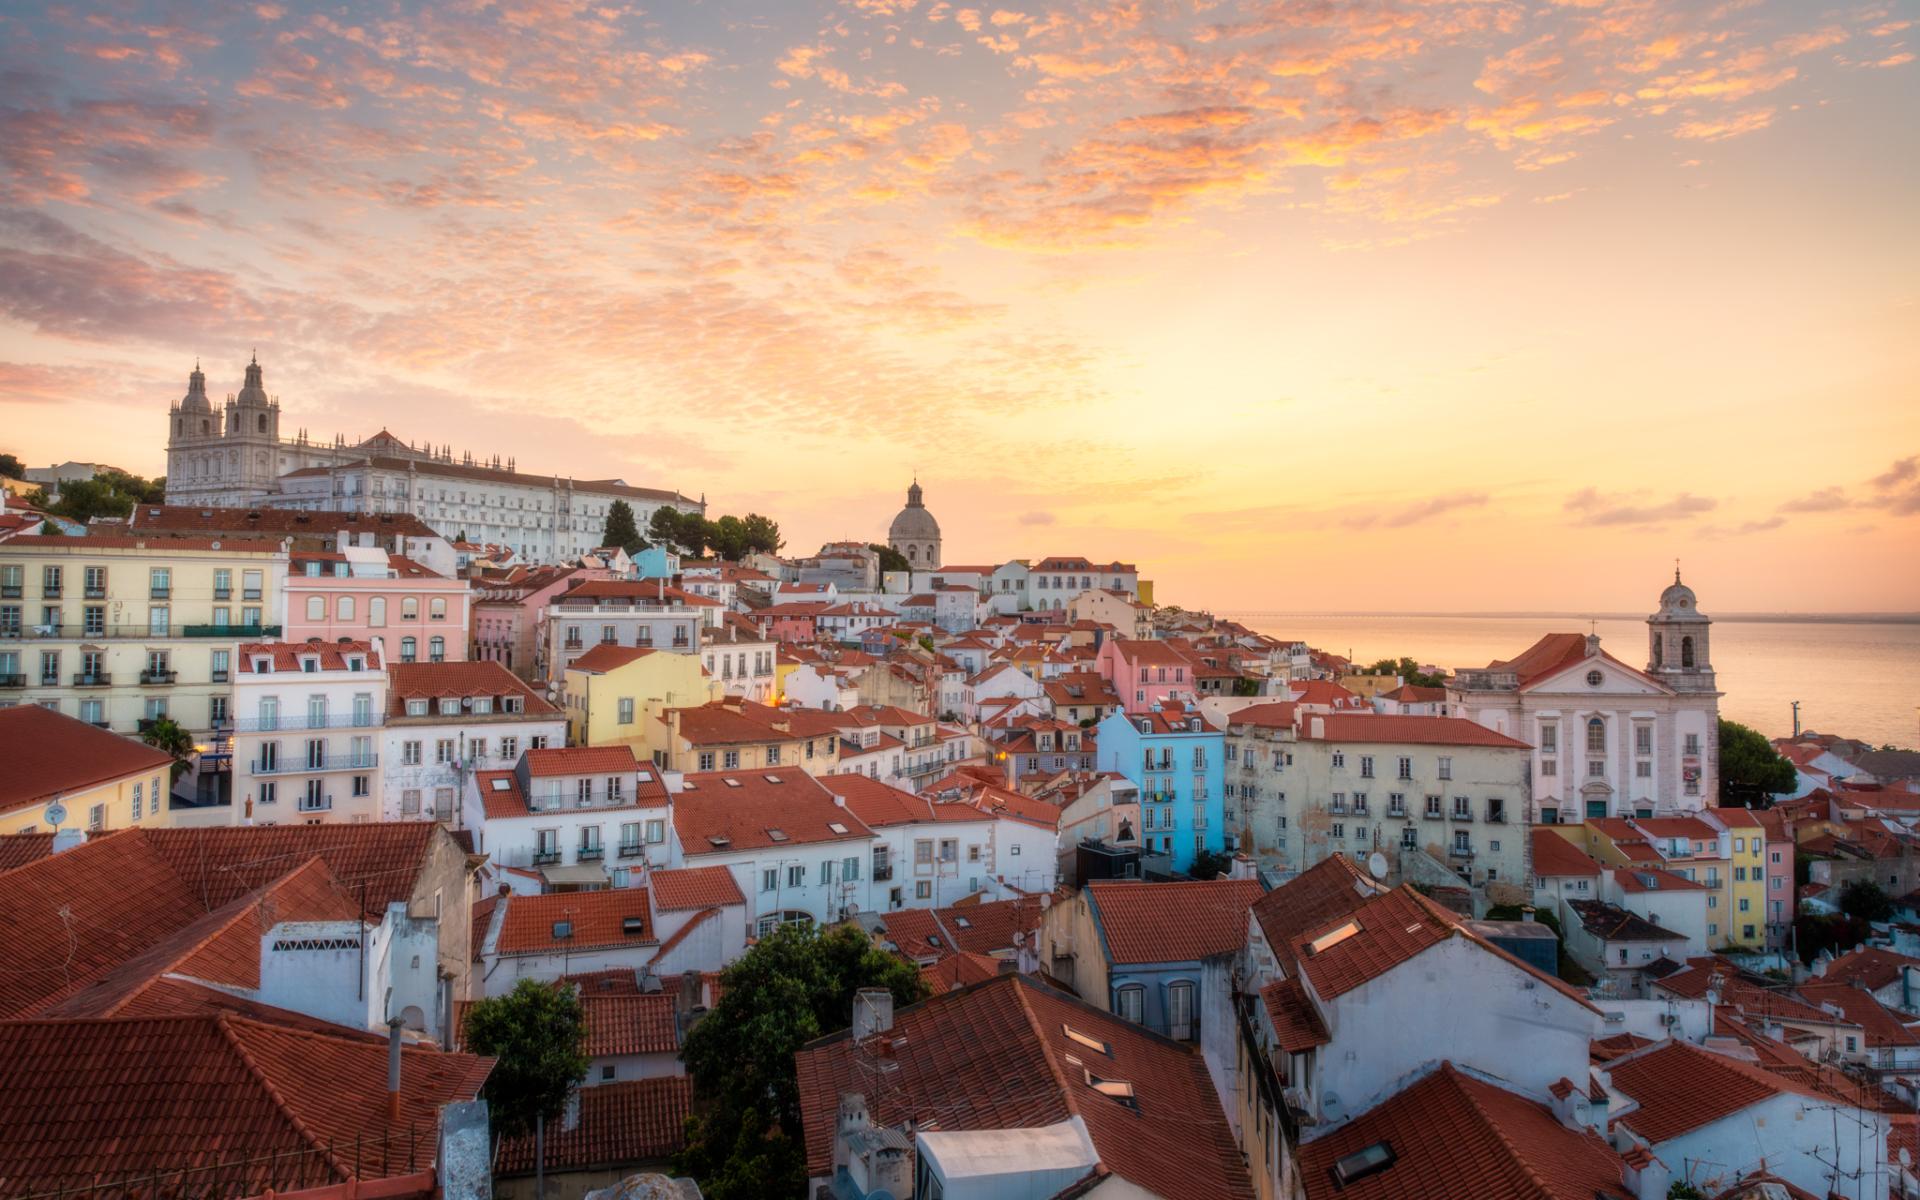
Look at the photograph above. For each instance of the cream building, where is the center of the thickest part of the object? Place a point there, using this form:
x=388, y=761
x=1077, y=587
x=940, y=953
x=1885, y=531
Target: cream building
x=306, y=733
x=59, y=770
x=1305, y=786
x=1609, y=739
x=121, y=630
x=235, y=457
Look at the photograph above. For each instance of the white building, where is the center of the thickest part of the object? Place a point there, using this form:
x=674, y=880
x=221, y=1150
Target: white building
x=1609, y=740
x=621, y=613
x=445, y=721
x=581, y=817
x=930, y=852
x=740, y=658
x=306, y=737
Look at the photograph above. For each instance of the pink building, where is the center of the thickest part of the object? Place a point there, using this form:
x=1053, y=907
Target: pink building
x=507, y=611
x=796, y=623
x=1144, y=673
x=365, y=594
x=1780, y=890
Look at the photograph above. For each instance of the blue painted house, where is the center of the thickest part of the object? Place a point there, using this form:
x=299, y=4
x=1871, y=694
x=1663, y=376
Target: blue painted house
x=1177, y=761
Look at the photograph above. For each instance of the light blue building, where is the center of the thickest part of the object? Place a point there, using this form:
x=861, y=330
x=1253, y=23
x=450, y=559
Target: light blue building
x=1177, y=761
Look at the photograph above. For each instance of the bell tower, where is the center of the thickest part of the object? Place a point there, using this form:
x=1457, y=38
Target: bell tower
x=1677, y=641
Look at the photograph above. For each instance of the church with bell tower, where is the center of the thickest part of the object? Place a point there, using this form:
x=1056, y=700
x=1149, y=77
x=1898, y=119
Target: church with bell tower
x=233, y=456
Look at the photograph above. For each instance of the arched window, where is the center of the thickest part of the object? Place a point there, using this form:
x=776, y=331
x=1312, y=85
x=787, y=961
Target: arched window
x=206, y=427
x=316, y=608
x=913, y=554
x=410, y=608
x=437, y=608
x=1686, y=653
x=437, y=649
x=179, y=425
x=1659, y=651
x=409, y=649
x=1596, y=736
x=343, y=608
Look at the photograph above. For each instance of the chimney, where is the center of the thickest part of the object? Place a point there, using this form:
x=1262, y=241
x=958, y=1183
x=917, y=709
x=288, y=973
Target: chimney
x=1317, y=728
x=872, y=1012
x=393, y=1072
x=67, y=839
x=1526, y=913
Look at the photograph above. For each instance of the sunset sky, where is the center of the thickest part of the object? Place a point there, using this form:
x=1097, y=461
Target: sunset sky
x=1304, y=305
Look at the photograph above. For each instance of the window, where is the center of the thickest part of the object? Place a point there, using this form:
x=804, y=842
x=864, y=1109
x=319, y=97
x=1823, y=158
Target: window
x=436, y=649
x=1433, y=806
x=1127, y=1002
x=160, y=583
x=410, y=797
x=377, y=611
x=316, y=608
x=250, y=587
x=923, y=890
x=1596, y=736
x=409, y=649
x=706, y=760
x=1642, y=739
x=1549, y=769
x=1692, y=745
x=770, y=879
x=1446, y=767
x=1180, y=1010
x=1339, y=759
x=410, y=608
x=796, y=876
x=1366, y=766
x=1405, y=768
x=1549, y=739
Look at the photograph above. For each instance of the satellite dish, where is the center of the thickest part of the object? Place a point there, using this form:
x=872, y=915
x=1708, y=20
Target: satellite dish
x=55, y=814
x=1377, y=865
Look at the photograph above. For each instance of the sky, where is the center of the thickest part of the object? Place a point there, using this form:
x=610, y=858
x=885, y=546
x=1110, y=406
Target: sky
x=1425, y=305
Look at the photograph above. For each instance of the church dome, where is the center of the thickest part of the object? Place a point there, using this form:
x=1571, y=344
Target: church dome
x=196, y=397
x=915, y=523
x=253, y=394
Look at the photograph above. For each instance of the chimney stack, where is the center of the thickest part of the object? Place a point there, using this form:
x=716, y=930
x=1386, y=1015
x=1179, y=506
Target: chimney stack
x=393, y=1072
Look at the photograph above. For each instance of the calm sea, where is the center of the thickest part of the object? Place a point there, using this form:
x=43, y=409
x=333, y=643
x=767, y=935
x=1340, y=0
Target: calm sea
x=1858, y=678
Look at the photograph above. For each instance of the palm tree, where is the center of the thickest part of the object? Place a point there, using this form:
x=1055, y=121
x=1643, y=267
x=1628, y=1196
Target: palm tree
x=166, y=734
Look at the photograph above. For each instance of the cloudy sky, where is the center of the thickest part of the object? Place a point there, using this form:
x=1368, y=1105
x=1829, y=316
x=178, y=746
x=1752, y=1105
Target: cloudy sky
x=1424, y=304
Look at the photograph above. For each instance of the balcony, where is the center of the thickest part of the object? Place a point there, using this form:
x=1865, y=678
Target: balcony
x=50, y=592
x=546, y=858
x=250, y=594
x=248, y=632
x=223, y=594
x=1396, y=810
x=597, y=798
x=1457, y=815
x=158, y=678
x=1464, y=853
x=300, y=721
x=95, y=593
x=13, y=681
x=882, y=874
x=93, y=679
x=303, y=765
x=221, y=676
x=160, y=593
x=632, y=851
x=573, y=644
x=11, y=591
x=589, y=854
x=324, y=804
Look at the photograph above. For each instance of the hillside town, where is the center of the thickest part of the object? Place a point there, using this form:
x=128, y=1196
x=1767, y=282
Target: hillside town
x=325, y=764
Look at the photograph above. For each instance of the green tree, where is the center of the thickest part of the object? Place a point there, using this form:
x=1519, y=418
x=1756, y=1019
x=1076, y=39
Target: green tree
x=890, y=559
x=1750, y=768
x=621, y=529
x=1865, y=900
x=696, y=532
x=1408, y=670
x=763, y=534
x=794, y=985
x=729, y=538
x=108, y=494
x=664, y=526
x=537, y=1032
x=1210, y=864
x=166, y=734
x=11, y=467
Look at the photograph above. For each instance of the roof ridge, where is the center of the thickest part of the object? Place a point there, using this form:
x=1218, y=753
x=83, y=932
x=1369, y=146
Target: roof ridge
x=1459, y=1079
x=229, y=1026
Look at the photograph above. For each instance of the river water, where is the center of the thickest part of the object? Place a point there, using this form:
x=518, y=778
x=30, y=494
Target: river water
x=1857, y=678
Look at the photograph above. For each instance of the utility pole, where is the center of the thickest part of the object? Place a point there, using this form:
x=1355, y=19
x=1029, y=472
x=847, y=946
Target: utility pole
x=1796, y=718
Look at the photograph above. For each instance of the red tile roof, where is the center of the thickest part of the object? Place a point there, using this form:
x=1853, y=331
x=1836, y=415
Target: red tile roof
x=878, y=804
x=1330, y=888
x=1653, y=879
x=995, y=1055
x=1388, y=930
x=86, y=1100
x=1277, y=715
x=600, y=921
x=641, y=1023
x=1609, y=922
x=1172, y=922
x=1392, y=728
x=1679, y=1088
x=186, y=518
x=48, y=754
x=19, y=849
x=1556, y=652
x=1882, y=1026
x=1296, y=1023
x=609, y=656
x=621, y=1125
x=1554, y=856
x=987, y=928
x=76, y=916
x=284, y=658
x=1869, y=966
x=724, y=811
x=1455, y=1135
x=694, y=887
x=959, y=970
x=460, y=680
x=580, y=760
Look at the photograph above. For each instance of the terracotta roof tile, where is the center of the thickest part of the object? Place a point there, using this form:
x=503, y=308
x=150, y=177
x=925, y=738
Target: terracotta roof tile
x=580, y=760
x=621, y=1125
x=694, y=887
x=1391, y=728
x=1330, y=888
x=1869, y=965
x=83, y=1100
x=1366, y=943
x=49, y=753
x=19, y=849
x=609, y=919
x=1454, y=1135
x=641, y=1023
x=1555, y=856
x=995, y=1055
x=192, y=518
x=1296, y=1023
x=725, y=811
x=1679, y=1088
x=285, y=658
x=1172, y=922
x=435, y=681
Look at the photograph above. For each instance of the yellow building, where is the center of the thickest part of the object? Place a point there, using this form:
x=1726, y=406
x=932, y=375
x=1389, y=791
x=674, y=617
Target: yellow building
x=1695, y=849
x=1746, y=921
x=615, y=695
x=100, y=781
x=121, y=630
x=738, y=735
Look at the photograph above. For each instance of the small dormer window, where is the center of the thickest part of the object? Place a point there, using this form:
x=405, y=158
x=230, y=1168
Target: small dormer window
x=416, y=708
x=483, y=704
x=356, y=664
x=449, y=706
x=263, y=666
x=510, y=704
x=310, y=665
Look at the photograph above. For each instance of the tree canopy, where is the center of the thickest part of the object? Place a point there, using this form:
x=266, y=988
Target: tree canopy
x=1865, y=900
x=890, y=559
x=1750, y=768
x=108, y=494
x=622, y=531
x=168, y=735
x=537, y=1032
x=794, y=985
x=732, y=538
x=11, y=467
x=1408, y=670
